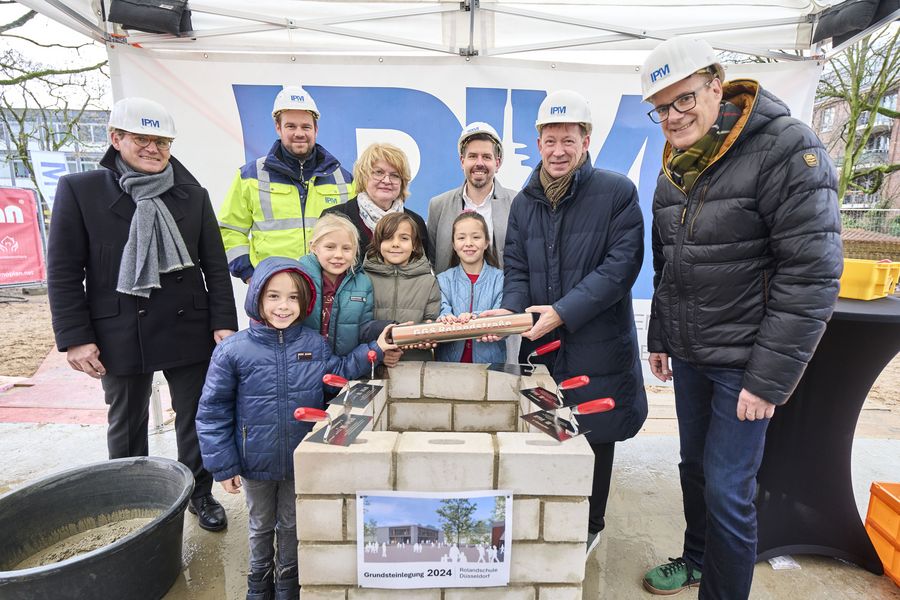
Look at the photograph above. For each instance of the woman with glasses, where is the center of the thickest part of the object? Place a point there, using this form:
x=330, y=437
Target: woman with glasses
x=381, y=173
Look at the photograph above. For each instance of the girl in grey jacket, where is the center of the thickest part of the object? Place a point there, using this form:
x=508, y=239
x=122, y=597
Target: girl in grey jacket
x=405, y=288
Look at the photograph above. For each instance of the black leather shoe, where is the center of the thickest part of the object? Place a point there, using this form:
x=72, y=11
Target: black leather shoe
x=210, y=513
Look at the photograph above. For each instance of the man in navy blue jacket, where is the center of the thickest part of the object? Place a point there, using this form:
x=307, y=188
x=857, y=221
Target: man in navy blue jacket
x=574, y=246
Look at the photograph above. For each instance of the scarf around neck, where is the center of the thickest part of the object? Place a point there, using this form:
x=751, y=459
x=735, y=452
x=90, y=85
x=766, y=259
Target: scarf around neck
x=154, y=243
x=556, y=188
x=371, y=213
x=686, y=165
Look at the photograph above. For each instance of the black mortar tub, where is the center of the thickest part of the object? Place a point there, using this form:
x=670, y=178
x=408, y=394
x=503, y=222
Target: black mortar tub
x=141, y=565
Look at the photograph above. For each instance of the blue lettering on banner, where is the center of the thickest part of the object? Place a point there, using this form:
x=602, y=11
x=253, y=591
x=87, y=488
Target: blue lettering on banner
x=660, y=72
x=52, y=171
x=149, y=122
x=435, y=130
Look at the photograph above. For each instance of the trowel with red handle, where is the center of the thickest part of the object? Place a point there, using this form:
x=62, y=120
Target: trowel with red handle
x=526, y=369
x=549, y=422
x=547, y=400
x=359, y=395
x=340, y=431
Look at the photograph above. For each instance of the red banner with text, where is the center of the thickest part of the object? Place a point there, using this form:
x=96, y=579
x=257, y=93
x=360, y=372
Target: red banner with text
x=21, y=248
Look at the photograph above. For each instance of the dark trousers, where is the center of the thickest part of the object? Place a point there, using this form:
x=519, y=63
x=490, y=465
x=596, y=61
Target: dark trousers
x=128, y=397
x=603, y=463
x=720, y=456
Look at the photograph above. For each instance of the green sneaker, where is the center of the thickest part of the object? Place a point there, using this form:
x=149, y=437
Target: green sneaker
x=671, y=578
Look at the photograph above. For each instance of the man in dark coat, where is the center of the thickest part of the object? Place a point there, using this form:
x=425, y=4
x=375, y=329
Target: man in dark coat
x=747, y=257
x=574, y=246
x=139, y=283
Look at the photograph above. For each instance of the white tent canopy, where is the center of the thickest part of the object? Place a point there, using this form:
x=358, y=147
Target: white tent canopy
x=599, y=32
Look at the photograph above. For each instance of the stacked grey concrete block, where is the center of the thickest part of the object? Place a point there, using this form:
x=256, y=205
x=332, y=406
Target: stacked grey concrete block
x=444, y=427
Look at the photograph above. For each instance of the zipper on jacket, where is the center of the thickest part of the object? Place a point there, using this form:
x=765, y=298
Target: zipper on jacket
x=697, y=212
x=281, y=398
x=396, y=286
x=244, y=441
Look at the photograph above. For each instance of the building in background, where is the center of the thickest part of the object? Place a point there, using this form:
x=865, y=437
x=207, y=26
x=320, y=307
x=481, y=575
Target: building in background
x=882, y=147
x=83, y=153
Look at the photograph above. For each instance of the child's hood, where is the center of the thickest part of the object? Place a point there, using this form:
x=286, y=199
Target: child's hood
x=413, y=268
x=267, y=268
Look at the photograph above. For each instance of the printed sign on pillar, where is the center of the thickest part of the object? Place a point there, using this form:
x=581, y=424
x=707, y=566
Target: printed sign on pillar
x=48, y=168
x=21, y=250
x=414, y=540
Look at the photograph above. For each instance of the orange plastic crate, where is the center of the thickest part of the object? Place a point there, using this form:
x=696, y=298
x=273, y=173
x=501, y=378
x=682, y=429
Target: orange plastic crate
x=883, y=526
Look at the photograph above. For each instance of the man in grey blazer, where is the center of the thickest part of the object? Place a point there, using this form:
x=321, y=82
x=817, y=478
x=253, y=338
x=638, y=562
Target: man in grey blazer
x=480, y=155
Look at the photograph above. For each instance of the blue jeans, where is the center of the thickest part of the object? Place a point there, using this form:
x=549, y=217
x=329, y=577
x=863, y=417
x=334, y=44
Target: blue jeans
x=720, y=456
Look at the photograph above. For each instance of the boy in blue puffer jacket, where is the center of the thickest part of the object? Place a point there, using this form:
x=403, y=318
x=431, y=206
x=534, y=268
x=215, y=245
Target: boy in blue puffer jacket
x=256, y=379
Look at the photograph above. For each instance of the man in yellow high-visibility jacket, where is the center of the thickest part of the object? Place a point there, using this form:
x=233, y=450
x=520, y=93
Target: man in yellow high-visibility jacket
x=275, y=201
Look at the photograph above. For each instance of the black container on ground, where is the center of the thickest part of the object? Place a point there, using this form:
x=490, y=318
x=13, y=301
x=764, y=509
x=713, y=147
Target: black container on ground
x=142, y=565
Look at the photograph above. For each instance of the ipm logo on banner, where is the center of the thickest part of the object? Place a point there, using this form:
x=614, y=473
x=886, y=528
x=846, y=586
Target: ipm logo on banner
x=427, y=129
x=21, y=249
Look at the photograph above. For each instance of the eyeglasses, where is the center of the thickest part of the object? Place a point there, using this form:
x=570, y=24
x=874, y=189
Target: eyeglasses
x=142, y=141
x=681, y=104
x=379, y=175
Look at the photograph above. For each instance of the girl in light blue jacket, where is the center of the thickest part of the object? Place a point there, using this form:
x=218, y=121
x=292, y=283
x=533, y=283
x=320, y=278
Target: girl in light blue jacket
x=473, y=284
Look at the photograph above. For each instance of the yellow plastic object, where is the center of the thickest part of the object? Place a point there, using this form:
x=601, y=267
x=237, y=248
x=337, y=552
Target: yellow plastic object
x=868, y=279
x=883, y=526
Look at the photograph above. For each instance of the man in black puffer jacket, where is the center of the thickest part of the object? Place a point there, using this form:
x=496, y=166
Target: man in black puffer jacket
x=747, y=257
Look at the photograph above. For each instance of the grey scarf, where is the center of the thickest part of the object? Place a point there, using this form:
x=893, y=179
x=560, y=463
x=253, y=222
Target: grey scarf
x=154, y=242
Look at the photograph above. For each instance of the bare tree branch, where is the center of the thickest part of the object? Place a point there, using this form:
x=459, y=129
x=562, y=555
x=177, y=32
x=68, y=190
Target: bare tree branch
x=18, y=22
x=31, y=41
x=861, y=78
x=47, y=72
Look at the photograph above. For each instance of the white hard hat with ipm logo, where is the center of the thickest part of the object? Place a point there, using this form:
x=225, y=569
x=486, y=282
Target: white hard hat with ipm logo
x=564, y=106
x=476, y=128
x=294, y=97
x=675, y=59
x=140, y=115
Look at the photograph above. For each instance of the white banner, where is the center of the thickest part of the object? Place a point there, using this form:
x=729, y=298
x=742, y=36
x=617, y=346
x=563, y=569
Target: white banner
x=414, y=540
x=48, y=168
x=222, y=107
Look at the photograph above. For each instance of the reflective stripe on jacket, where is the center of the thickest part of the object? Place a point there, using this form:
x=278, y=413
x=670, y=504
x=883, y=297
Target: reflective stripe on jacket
x=268, y=211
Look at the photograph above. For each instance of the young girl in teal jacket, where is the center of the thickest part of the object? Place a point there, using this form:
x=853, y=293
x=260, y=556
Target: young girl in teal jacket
x=343, y=309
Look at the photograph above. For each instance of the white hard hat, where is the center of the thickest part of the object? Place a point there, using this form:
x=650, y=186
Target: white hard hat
x=482, y=128
x=140, y=115
x=294, y=97
x=564, y=106
x=675, y=59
